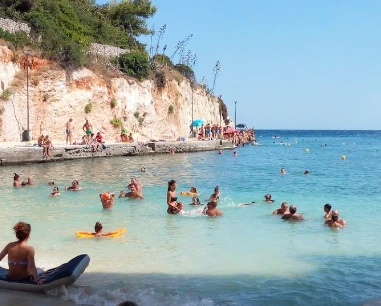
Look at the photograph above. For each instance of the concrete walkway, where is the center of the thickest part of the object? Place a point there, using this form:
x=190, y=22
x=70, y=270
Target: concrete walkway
x=22, y=153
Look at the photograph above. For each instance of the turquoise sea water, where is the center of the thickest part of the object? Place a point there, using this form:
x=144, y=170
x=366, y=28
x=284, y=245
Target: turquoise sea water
x=246, y=257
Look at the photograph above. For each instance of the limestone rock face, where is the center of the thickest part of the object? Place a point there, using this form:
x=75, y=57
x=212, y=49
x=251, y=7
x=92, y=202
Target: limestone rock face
x=140, y=107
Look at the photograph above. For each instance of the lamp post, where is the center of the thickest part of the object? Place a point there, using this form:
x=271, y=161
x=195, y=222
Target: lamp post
x=26, y=133
x=192, y=129
x=235, y=114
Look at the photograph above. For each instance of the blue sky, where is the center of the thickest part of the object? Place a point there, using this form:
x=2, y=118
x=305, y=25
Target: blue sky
x=297, y=64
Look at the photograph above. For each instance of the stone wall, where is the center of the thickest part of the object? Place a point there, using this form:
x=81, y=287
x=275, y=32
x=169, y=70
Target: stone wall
x=13, y=26
x=95, y=49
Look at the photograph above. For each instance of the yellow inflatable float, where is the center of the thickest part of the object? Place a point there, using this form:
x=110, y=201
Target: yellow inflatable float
x=92, y=235
x=188, y=193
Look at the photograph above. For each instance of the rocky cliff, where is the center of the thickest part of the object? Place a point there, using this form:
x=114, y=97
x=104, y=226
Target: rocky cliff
x=141, y=107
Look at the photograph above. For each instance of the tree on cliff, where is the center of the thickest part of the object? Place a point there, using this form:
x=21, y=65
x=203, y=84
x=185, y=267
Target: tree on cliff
x=65, y=28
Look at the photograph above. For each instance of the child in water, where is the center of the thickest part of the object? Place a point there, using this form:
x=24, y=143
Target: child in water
x=55, y=192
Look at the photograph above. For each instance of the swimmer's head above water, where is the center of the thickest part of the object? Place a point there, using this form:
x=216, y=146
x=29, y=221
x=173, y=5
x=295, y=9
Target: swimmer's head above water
x=98, y=227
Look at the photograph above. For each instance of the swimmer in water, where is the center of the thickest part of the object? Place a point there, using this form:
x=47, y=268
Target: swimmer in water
x=268, y=198
x=216, y=195
x=292, y=215
x=51, y=183
x=282, y=171
x=98, y=230
x=74, y=186
x=282, y=210
x=142, y=169
x=107, y=200
x=174, y=207
x=220, y=152
x=335, y=212
x=133, y=194
x=328, y=212
x=235, y=154
x=16, y=182
x=211, y=210
x=306, y=172
x=138, y=187
x=55, y=192
x=28, y=182
x=334, y=221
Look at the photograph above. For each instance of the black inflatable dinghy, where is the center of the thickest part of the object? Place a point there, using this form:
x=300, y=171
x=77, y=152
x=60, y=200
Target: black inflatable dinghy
x=64, y=275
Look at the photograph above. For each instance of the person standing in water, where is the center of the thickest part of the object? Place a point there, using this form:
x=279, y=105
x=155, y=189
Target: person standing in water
x=282, y=210
x=292, y=215
x=328, y=212
x=69, y=130
x=335, y=215
x=107, y=200
x=174, y=207
x=21, y=256
x=16, y=182
x=211, y=210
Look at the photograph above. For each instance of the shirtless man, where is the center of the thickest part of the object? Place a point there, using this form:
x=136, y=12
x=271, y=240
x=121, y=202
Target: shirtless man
x=107, y=200
x=211, y=210
x=133, y=194
x=335, y=219
x=88, y=129
x=282, y=210
x=292, y=215
x=268, y=198
x=328, y=212
x=136, y=184
x=69, y=131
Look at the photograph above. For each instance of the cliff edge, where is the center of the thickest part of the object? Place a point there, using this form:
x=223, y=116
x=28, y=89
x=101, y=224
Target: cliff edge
x=109, y=103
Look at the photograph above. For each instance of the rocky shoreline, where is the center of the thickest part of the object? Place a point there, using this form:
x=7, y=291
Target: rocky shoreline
x=33, y=154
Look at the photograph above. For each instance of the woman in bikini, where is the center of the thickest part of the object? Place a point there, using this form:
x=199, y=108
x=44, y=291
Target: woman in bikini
x=74, y=186
x=21, y=256
x=174, y=207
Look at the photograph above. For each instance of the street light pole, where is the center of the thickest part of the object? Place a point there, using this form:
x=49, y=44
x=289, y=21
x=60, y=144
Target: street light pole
x=26, y=134
x=235, y=114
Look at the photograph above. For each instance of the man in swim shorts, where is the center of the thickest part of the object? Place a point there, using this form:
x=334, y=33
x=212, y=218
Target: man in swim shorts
x=282, y=210
x=88, y=129
x=292, y=215
x=69, y=130
x=211, y=210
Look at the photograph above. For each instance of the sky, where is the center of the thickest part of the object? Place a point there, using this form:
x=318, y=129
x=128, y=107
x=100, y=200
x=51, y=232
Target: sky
x=296, y=64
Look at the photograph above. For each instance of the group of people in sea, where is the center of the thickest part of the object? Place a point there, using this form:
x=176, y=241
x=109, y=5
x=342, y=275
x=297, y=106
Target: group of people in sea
x=331, y=217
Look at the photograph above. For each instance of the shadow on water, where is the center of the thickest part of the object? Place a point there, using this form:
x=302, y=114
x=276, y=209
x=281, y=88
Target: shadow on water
x=335, y=281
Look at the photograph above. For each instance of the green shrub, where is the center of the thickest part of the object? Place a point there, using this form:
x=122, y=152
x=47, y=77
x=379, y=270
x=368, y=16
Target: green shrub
x=136, y=115
x=88, y=108
x=145, y=114
x=135, y=64
x=160, y=79
x=6, y=95
x=18, y=39
x=186, y=71
x=113, y=103
x=116, y=122
x=171, y=109
x=141, y=120
x=2, y=110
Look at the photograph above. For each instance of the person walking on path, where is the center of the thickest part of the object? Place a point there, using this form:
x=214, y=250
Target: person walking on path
x=69, y=131
x=88, y=129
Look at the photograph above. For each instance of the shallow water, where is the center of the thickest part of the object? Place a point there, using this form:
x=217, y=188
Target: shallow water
x=247, y=257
